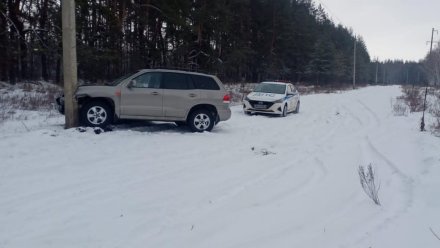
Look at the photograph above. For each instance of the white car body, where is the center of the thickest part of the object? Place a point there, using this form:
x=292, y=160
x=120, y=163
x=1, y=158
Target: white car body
x=270, y=98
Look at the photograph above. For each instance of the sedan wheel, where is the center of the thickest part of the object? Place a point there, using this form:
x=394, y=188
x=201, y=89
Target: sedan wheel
x=297, y=107
x=284, y=114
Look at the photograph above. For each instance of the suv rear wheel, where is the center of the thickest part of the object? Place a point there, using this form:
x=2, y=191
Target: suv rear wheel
x=201, y=120
x=96, y=114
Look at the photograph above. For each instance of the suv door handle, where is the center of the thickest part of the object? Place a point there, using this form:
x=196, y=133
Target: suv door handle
x=192, y=95
x=155, y=93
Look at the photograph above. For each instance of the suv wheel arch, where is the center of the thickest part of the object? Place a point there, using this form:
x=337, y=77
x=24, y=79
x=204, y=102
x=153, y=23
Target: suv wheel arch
x=204, y=111
x=96, y=113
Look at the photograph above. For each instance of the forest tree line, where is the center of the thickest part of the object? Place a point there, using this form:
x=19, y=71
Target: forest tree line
x=238, y=40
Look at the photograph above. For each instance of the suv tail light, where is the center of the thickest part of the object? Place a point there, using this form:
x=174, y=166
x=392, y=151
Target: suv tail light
x=227, y=98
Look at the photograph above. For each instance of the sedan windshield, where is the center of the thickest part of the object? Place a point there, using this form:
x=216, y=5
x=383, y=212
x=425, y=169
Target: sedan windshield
x=271, y=88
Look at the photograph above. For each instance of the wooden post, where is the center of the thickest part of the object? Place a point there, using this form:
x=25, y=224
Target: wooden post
x=69, y=63
x=422, y=123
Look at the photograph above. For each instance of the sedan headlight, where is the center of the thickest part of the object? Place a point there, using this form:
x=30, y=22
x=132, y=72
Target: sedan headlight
x=279, y=101
x=246, y=99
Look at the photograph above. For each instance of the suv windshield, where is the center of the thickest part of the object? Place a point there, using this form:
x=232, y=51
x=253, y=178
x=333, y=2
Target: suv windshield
x=271, y=88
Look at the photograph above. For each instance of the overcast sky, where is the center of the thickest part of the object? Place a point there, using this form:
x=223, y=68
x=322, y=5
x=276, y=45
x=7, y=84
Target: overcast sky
x=392, y=29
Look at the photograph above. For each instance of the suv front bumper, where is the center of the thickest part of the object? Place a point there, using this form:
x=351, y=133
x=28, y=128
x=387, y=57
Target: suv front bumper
x=60, y=104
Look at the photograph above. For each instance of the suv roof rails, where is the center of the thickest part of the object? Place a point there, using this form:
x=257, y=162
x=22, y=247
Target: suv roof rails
x=188, y=69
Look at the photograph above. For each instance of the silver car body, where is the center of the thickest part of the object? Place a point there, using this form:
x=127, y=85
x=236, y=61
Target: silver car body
x=157, y=103
x=272, y=103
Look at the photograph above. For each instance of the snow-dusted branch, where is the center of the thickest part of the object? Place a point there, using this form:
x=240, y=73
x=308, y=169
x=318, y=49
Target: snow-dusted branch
x=368, y=183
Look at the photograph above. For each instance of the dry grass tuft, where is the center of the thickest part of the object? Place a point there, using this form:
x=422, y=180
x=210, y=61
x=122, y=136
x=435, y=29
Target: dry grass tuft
x=26, y=96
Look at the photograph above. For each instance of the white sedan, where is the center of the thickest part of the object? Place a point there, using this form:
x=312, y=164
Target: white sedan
x=272, y=98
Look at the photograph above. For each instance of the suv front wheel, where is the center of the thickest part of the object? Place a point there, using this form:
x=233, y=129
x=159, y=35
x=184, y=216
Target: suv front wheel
x=96, y=114
x=201, y=120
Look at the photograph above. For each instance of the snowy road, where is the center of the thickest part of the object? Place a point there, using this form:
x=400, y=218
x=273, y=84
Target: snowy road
x=255, y=181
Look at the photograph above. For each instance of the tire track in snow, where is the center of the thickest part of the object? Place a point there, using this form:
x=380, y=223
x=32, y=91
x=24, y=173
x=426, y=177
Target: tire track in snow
x=406, y=182
x=367, y=121
x=371, y=112
x=222, y=199
x=357, y=119
x=362, y=125
x=387, y=215
x=316, y=176
x=313, y=178
x=387, y=161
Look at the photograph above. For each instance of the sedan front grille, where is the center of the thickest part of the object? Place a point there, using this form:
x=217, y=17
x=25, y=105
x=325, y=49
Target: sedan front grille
x=261, y=104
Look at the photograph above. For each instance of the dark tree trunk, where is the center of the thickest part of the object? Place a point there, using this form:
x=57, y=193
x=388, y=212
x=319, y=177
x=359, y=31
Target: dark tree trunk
x=4, y=44
x=17, y=35
x=43, y=21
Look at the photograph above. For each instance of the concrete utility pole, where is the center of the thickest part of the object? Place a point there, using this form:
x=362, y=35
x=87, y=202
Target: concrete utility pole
x=69, y=63
x=354, y=62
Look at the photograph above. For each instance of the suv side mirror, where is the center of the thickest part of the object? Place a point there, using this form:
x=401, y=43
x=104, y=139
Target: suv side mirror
x=130, y=84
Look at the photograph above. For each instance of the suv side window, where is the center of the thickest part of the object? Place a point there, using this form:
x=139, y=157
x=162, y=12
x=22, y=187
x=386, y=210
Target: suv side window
x=147, y=80
x=176, y=81
x=204, y=83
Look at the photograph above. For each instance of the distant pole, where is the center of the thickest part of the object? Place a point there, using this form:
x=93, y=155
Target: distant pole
x=422, y=122
x=354, y=63
x=69, y=63
x=430, y=49
x=432, y=39
x=377, y=69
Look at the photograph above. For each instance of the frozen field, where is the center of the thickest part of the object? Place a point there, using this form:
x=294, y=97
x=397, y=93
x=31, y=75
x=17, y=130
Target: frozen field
x=255, y=181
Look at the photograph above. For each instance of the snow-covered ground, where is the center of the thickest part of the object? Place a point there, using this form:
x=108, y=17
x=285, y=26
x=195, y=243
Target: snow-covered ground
x=255, y=181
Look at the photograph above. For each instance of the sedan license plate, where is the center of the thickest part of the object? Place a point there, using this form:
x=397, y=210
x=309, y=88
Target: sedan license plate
x=260, y=106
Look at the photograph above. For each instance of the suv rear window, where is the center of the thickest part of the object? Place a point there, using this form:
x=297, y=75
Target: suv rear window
x=204, y=83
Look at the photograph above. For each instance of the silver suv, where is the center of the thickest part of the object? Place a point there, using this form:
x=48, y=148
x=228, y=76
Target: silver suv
x=197, y=100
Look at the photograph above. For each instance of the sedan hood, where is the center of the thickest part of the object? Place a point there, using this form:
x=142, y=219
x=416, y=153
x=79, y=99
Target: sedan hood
x=266, y=97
